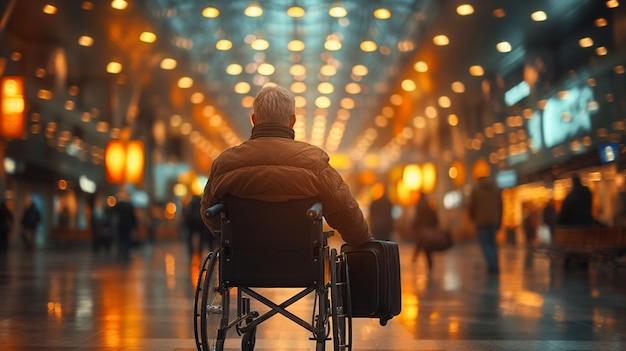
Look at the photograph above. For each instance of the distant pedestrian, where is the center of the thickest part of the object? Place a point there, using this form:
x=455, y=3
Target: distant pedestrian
x=31, y=217
x=126, y=223
x=425, y=220
x=6, y=223
x=196, y=228
x=381, y=219
x=485, y=210
x=576, y=207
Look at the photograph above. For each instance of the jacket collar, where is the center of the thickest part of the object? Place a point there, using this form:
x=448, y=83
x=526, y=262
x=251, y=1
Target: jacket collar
x=272, y=130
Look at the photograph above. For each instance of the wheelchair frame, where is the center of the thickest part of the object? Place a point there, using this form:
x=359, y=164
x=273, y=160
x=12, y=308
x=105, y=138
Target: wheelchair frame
x=212, y=319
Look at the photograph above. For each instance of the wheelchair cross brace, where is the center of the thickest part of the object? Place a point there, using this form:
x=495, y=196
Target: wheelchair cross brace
x=278, y=309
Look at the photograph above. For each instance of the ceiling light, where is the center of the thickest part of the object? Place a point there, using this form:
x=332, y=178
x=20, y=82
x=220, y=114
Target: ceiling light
x=332, y=43
x=458, y=87
x=539, y=16
x=396, y=99
x=430, y=112
x=147, y=37
x=322, y=102
x=253, y=10
x=242, y=88
x=420, y=66
x=444, y=102
x=504, y=46
x=266, y=69
x=196, y=98
x=441, y=40
x=210, y=12
x=297, y=70
x=465, y=9
x=185, y=82
x=382, y=13
x=600, y=22
x=368, y=46
x=260, y=44
x=85, y=40
x=49, y=9
x=325, y=88
x=296, y=45
x=295, y=11
x=601, y=51
x=328, y=70
x=499, y=13
x=353, y=88
x=300, y=101
x=114, y=67
x=360, y=70
x=119, y=4
x=223, y=45
x=408, y=85
x=337, y=11
x=298, y=87
x=234, y=69
x=348, y=104
x=453, y=120
x=476, y=71
x=612, y=4
x=168, y=63
x=585, y=42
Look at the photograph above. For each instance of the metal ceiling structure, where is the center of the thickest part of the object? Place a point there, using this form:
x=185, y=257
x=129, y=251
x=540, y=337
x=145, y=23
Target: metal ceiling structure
x=346, y=61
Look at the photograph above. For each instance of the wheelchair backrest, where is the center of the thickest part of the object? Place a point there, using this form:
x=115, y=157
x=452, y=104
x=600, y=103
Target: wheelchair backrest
x=271, y=244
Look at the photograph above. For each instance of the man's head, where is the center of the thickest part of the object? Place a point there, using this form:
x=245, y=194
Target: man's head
x=576, y=180
x=275, y=105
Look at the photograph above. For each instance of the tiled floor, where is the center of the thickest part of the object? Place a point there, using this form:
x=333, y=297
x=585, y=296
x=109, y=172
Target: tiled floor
x=72, y=299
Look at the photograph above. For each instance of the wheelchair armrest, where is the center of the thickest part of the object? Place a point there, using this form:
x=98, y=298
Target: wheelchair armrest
x=315, y=211
x=213, y=211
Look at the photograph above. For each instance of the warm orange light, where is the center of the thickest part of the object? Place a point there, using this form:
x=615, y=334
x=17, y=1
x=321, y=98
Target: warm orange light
x=480, y=169
x=12, y=107
x=134, y=162
x=412, y=177
x=124, y=162
x=429, y=177
x=459, y=173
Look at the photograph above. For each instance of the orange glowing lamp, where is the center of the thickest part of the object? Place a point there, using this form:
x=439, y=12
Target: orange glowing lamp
x=429, y=176
x=12, y=107
x=124, y=161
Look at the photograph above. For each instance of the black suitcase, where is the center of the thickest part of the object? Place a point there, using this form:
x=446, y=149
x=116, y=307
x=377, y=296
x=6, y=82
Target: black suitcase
x=374, y=276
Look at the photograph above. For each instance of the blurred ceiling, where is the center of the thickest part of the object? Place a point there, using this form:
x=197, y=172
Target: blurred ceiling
x=361, y=70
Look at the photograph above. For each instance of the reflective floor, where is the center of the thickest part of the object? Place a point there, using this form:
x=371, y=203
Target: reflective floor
x=70, y=298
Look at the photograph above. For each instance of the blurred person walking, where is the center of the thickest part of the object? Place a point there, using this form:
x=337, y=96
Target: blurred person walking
x=485, y=210
x=6, y=223
x=196, y=228
x=381, y=220
x=126, y=223
x=425, y=225
x=576, y=207
x=29, y=223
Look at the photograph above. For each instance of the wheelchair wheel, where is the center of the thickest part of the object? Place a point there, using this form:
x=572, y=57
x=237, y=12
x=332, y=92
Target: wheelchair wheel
x=248, y=340
x=209, y=307
x=340, y=303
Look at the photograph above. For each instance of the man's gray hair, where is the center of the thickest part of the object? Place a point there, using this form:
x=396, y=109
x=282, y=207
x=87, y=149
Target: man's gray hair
x=274, y=104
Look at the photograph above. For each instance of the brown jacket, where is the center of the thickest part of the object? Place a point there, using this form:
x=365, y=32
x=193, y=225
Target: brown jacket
x=485, y=204
x=271, y=166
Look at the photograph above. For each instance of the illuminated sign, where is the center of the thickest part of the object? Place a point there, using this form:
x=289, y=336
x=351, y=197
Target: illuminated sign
x=12, y=107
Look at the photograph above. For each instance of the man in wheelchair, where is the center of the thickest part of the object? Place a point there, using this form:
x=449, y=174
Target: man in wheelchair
x=273, y=167
x=265, y=187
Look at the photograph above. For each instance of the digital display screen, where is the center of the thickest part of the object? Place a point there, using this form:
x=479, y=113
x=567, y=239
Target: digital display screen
x=608, y=152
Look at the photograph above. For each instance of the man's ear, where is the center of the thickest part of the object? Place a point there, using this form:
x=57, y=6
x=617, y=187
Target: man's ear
x=292, y=121
x=253, y=120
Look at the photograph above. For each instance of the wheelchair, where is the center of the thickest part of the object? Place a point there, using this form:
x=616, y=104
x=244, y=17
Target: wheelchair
x=271, y=245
